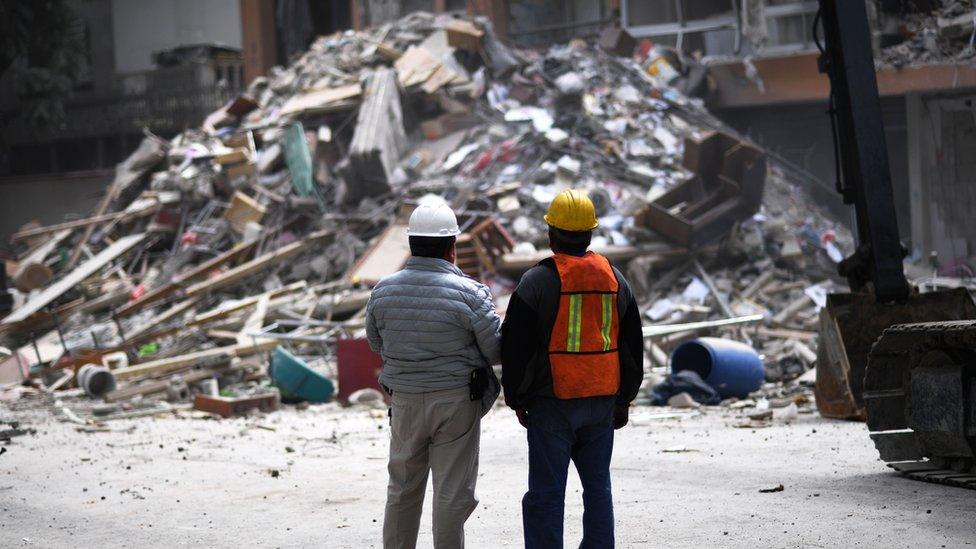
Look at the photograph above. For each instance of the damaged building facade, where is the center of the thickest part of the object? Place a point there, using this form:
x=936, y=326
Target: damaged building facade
x=762, y=78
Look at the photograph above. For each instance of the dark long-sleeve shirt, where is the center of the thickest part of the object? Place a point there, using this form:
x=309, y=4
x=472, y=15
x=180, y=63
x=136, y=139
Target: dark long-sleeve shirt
x=528, y=326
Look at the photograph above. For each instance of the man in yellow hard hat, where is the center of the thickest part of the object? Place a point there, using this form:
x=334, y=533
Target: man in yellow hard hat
x=572, y=361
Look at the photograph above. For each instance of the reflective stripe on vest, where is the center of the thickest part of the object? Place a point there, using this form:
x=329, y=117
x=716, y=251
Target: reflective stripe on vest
x=583, y=353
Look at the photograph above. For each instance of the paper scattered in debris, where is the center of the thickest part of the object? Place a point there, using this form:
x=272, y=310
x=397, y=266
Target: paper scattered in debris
x=818, y=294
x=696, y=291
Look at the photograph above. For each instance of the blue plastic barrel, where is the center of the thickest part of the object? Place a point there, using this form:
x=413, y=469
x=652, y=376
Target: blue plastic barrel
x=733, y=369
x=296, y=379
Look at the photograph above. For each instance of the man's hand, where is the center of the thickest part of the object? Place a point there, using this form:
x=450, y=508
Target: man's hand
x=620, y=415
x=523, y=417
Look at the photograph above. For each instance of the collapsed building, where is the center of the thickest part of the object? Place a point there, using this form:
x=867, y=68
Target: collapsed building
x=228, y=268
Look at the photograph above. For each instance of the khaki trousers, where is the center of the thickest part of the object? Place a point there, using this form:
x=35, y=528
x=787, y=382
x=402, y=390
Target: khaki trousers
x=439, y=432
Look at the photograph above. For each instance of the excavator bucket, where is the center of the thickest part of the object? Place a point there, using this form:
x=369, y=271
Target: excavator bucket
x=849, y=326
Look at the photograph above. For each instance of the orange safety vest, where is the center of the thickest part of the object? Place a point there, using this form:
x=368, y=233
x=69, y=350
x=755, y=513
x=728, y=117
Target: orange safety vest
x=583, y=353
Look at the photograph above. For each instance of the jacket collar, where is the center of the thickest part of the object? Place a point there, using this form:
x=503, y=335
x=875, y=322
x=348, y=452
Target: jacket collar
x=433, y=265
x=580, y=256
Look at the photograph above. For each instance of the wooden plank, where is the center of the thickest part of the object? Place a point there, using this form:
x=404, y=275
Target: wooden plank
x=85, y=270
x=257, y=264
x=388, y=255
x=243, y=210
x=783, y=287
x=656, y=331
x=160, y=292
x=171, y=364
x=162, y=318
x=787, y=313
x=40, y=253
x=757, y=284
x=319, y=100
x=522, y=262
x=79, y=223
x=254, y=321
x=415, y=66
x=228, y=406
x=103, y=205
x=722, y=302
x=783, y=333
x=152, y=387
x=224, y=311
x=464, y=35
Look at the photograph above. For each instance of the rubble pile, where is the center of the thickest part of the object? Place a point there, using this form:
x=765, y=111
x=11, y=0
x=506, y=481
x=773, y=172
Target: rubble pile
x=227, y=269
x=944, y=35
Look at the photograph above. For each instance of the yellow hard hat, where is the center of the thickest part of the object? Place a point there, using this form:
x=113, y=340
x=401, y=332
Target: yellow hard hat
x=572, y=210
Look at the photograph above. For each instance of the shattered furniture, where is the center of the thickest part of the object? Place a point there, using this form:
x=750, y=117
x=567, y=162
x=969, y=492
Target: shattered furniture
x=727, y=187
x=232, y=406
x=480, y=248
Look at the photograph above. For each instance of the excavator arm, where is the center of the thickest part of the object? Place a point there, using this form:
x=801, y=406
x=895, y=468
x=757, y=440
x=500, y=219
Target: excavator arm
x=863, y=177
x=903, y=361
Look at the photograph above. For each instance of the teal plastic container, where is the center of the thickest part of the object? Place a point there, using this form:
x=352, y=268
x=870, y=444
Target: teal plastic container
x=296, y=379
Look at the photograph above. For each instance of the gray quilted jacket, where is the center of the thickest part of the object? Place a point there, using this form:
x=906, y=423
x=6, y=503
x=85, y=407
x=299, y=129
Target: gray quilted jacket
x=432, y=325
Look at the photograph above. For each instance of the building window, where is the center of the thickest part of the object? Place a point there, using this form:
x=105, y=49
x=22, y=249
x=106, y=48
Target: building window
x=719, y=27
x=81, y=31
x=540, y=22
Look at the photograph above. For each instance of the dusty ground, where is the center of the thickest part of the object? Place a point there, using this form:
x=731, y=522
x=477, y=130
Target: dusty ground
x=318, y=479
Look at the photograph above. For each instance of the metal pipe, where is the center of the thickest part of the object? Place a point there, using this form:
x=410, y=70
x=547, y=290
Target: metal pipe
x=653, y=331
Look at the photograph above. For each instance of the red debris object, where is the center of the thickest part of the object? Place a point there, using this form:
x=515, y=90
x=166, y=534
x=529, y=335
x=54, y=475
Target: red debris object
x=137, y=292
x=358, y=367
x=508, y=149
x=827, y=236
x=644, y=47
x=484, y=160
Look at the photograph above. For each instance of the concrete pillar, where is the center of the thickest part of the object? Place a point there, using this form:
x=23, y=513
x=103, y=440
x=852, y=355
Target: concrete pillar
x=259, y=34
x=496, y=10
x=356, y=14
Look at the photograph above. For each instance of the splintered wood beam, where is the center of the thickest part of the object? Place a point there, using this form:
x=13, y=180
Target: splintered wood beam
x=72, y=279
x=170, y=364
x=161, y=292
x=256, y=265
x=79, y=223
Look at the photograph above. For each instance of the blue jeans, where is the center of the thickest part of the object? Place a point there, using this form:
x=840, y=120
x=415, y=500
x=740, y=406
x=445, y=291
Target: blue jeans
x=580, y=430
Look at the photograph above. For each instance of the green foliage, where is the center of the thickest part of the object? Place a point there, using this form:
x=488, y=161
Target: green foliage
x=41, y=54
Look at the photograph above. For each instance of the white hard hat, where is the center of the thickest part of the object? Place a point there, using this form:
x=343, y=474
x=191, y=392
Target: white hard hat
x=431, y=199
x=433, y=218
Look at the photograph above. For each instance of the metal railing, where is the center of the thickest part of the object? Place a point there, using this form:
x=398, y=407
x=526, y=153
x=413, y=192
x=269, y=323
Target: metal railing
x=126, y=114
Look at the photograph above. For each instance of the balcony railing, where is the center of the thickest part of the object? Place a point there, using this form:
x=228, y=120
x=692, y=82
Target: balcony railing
x=161, y=113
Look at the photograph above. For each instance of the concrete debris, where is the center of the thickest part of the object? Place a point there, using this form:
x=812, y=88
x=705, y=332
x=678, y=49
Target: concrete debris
x=683, y=400
x=262, y=231
x=377, y=141
x=911, y=35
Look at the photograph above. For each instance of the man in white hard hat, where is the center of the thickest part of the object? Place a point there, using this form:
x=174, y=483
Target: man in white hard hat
x=438, y=334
